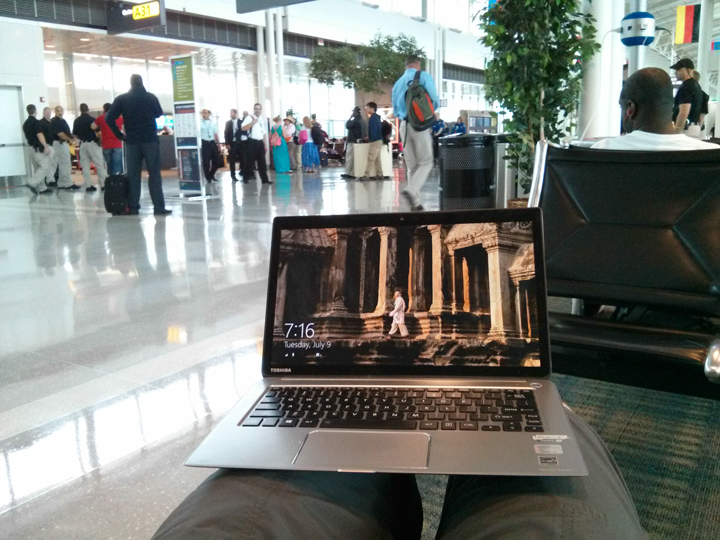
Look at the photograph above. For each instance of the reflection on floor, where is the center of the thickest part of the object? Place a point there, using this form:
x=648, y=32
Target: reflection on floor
x=123, y=339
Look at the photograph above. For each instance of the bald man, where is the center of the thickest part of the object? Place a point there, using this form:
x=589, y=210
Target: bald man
x=646, y=101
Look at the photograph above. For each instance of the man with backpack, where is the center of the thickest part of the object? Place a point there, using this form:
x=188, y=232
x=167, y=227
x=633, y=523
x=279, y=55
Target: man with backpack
x=415, y=99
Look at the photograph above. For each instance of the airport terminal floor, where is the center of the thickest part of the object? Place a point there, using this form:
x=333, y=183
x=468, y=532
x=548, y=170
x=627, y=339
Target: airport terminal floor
x=125, y=339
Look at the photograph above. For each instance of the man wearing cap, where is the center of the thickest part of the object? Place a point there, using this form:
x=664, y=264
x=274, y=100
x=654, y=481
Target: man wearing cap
x=688, y=100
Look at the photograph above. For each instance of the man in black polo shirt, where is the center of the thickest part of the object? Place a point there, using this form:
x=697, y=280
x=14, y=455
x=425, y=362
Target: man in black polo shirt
x=89, y=149
x=139, y=109
x=39, y=137
x=61, y=157
x=688, y=100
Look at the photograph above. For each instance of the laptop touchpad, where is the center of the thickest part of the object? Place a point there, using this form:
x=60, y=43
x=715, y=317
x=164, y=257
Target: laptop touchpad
x=364, y=450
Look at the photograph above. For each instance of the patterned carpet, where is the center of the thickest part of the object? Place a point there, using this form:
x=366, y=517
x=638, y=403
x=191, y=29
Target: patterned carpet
x=667, y=446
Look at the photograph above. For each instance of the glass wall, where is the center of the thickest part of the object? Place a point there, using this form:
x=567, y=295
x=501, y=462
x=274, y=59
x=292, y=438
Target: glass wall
x=98, y=79
x=331, y=104
x=462, y=96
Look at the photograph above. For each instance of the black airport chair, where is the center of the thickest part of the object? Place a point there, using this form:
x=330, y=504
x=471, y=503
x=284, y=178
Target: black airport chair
x=639, y=231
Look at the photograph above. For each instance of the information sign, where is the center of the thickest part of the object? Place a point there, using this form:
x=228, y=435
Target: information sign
x=182, y=77
x=186, y=130
x=189, y=169
x=126, y=17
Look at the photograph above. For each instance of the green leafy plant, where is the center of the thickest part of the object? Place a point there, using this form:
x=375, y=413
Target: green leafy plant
x=364, y=67
x=538, y=49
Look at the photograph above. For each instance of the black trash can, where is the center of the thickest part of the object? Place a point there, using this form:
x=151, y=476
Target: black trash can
x=467, y=171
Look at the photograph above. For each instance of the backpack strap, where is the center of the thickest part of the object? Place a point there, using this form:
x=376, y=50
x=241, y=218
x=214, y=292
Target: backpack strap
x=416, y=78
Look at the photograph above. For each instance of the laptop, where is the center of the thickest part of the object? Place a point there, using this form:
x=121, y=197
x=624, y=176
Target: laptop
x=408, y=343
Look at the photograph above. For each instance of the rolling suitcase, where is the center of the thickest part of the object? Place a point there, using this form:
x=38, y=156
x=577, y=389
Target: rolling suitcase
x=323, y=159
x=116, y=194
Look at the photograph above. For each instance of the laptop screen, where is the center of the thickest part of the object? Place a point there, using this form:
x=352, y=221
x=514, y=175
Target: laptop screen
x=432, y=293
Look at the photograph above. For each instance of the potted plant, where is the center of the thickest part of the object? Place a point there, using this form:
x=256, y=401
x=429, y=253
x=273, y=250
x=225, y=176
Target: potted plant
x=538, y=50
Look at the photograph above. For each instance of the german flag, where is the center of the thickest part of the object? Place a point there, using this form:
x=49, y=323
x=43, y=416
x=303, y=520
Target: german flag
x=687, y=29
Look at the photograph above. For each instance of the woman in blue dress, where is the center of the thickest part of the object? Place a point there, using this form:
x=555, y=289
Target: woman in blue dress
x=310, y=154
x=281, y=158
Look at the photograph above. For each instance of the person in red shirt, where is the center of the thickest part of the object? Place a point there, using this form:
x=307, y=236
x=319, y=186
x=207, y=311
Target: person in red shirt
x=111, y=145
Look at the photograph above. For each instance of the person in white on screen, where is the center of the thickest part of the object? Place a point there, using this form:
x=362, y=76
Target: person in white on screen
x=646, y=101
x=398, y=315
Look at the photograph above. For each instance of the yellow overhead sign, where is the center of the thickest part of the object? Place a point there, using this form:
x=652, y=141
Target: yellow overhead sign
x=146, y=10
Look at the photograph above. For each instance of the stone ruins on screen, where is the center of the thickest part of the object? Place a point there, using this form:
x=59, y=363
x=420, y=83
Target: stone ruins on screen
x=469, y=291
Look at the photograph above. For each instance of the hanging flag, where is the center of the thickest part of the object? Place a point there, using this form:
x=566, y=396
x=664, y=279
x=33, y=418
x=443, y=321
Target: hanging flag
x=687, y=29
x=716, y=46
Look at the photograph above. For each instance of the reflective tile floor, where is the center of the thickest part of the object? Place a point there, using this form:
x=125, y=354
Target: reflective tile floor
x=124, y=339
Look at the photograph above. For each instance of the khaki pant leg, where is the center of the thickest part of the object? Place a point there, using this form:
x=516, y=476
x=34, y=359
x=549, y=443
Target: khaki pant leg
x=373, y=155
x=291, y=154
x=99, y=160
x=61, y=160
x=418, y=152
x=378, y=157
x=350, y=159
x=43, y=164
x=85, y=160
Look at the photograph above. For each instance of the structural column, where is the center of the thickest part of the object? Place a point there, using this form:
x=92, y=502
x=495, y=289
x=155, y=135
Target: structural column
x=417, y=284
x=717, y=95
x=363, y=261
x=260, y=65
x=500, y=258
x=707, y=8
x=599, y=111
x=636, y=55
x=280, y=51
x=518, y=307
x=453, y=284
x=337, y=271
x=70, y=96
x=271, y=70
x=437, y=273
x=280, y=299
x=386, y=271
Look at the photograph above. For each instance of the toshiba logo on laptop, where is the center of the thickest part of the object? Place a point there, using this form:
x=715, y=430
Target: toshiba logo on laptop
x=281, y=370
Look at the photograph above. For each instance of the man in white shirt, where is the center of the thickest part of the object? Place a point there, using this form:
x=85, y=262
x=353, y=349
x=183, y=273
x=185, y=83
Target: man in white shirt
x=646, y=101
x=256, y=126
x=398, y=315
x=210, y=140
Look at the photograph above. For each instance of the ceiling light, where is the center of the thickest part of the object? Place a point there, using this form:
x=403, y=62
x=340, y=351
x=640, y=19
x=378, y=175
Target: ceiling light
x=159, y=57
x=50, y=46
x=84, y=39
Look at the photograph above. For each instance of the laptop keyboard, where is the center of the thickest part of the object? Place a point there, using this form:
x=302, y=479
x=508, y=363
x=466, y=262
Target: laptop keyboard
x=464, y=409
